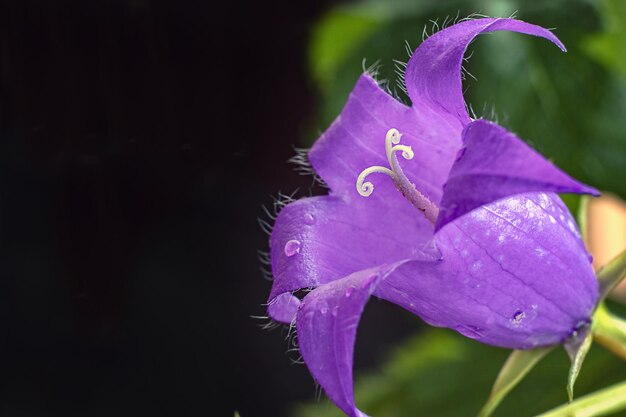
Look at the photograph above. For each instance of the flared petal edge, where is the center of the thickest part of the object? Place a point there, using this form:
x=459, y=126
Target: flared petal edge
x=494, y=164
x=433, y=74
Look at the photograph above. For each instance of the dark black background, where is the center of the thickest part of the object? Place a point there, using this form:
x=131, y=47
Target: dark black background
x=138, y=141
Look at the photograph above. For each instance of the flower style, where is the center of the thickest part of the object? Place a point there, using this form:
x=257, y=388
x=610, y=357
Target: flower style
x=464, y=231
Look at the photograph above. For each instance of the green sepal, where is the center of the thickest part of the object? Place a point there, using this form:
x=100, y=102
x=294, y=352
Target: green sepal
x=517, y=365
x=611, y=274
x=577, y=348
x=599, y=403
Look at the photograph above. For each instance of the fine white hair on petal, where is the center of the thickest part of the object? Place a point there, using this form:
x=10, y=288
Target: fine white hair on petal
x=267, y=322
x=447, y=22
x=371, y=70
x=435, y=25
x=292, y=342
x=303, y=165
x=400, y=69
x=266, y=222
x=265, y=268
x=474, y=16
x=408, y=48
x=266, y=227
x=318, y=392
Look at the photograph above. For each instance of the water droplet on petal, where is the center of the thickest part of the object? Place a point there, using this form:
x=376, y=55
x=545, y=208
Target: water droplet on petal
x=349, y=292
x=309, y=219
x=324, y=310
x=590, y=258
x=335, y=311
x=292, y=247
x=470, y=331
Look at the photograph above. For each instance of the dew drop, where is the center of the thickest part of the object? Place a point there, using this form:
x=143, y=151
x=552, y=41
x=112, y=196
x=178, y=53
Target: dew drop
x=292, y=247
x=349, y=292
x=324, y=310
x=590, y=258
x=470, y=331
x=309, y=219
x=335, y=311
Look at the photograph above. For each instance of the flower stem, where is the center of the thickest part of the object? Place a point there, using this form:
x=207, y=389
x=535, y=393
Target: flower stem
x=610, y=331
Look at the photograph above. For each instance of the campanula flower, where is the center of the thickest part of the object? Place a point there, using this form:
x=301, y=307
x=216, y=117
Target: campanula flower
x=451, y=218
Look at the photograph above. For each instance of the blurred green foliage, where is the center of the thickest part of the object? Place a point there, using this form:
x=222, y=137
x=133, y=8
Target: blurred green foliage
x=609, y=46
x=570, y=107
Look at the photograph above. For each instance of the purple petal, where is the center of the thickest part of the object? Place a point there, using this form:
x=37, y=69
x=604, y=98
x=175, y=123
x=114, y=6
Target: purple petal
x=514, y=274
x=326, y=327
x=356, y=140
x=433, y=74
x=283, y=308
x=494, y=164
x=320, y=239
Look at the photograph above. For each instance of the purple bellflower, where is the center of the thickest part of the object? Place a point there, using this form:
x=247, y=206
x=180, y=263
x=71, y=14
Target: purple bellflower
x=464, y=231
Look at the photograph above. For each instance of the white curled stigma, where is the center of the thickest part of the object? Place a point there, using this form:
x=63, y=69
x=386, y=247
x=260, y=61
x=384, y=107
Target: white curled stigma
x=392, y=140
x=402, y=183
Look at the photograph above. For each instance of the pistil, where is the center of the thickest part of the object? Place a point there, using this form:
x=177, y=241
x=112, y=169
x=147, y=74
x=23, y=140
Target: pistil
x=395, y=172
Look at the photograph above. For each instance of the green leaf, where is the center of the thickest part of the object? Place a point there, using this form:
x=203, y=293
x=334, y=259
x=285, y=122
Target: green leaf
x=334, y=38
x=577, y=348
x=518, y=364
x=607, y=46
x=611, y=274
x=609, y=331
x=600, y=403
